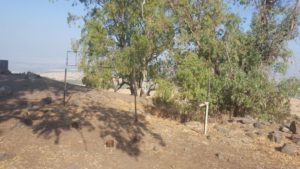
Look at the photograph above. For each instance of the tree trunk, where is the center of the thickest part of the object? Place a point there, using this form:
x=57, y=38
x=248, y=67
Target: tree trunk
x=151, y=88
x=144, y=83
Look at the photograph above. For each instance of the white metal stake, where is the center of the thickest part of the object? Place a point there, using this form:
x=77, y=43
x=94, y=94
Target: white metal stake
x=206, y=118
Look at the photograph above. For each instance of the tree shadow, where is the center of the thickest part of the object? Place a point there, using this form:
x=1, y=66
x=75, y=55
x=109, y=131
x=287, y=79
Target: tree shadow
x=58, y=121
x=121, y=126
x=51, y=121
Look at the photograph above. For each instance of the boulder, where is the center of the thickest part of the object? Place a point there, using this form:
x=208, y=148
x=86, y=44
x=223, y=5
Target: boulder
x=284, y=129
x=275, y=136
x=5, y=91
x=295, y=127
x=289, y=149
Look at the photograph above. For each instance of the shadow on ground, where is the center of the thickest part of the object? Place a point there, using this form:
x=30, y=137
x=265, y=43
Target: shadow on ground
x=50, y=121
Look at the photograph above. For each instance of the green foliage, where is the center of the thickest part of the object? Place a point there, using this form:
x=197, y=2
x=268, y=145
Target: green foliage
x=252, y=93
x=95, y=75
x=213, y=45
x=192, y=78
x=125, y=35
x=166, y=90
x=290, y=87
x=195, y=51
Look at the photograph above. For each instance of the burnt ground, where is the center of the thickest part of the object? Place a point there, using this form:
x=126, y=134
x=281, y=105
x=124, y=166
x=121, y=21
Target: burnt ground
x=38, y=135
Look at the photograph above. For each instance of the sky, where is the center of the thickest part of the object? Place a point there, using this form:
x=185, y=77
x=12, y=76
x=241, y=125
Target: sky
x=35, y=35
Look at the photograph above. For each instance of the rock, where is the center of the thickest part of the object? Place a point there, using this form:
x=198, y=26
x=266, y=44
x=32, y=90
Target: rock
x=284, y=129
x=76, y=125
x=5, y=91
x=259, y=133
x=46, y=100
x=134, y=139
x=275, y=136
x=110, y=143
x=289, y=149
x=208, y=137
x=296, y=138
x=258, y=125
x=27, y=121
x=247, y=120
x=295, y=127
x=231, y=121
x=35, y=107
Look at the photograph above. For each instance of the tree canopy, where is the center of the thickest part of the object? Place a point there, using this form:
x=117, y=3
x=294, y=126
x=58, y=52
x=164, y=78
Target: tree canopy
x=192, y=51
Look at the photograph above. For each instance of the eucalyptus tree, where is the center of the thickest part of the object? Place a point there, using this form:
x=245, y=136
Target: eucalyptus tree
x=210, y=43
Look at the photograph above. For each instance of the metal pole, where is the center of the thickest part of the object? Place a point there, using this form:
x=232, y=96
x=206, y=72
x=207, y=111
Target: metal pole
x=65, y=79
x=135, y=92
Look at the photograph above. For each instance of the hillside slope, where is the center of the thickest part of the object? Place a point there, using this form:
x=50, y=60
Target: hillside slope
x=37, y=131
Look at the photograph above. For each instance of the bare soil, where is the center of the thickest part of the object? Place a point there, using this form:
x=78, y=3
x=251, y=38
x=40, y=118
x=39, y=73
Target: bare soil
x=35, y=135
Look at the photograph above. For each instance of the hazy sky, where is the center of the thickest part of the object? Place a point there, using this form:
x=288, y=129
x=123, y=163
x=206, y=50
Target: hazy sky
x=34, y=35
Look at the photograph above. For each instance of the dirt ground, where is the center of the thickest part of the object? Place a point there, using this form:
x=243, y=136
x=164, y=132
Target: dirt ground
x=35, y=135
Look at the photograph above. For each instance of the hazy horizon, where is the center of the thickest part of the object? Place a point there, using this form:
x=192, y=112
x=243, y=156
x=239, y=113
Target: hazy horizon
x=35, y=35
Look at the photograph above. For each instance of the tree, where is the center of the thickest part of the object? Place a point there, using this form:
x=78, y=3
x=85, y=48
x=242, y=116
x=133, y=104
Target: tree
x=186, y=45
x=123, y=35
x=209, y=32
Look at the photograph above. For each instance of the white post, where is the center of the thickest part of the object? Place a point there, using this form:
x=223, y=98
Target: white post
x=206, y=118
x=206, y=104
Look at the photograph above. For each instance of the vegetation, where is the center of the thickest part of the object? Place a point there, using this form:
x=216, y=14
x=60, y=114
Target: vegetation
x=193, y=51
